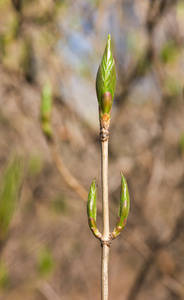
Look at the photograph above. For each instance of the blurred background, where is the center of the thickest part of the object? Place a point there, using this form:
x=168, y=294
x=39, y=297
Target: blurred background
x=46, y=248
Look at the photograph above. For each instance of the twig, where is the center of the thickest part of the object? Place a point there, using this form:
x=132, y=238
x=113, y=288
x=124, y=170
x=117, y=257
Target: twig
x=47, y=291
x=46, y=110
x=105, y=213
x=69, y=179
x=105, y=87
x=174, y=286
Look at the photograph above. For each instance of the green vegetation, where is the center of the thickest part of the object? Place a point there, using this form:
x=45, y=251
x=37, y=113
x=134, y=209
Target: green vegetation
x=46, y=110
x=4, y=277
x=35, y=165
x=106, y=80
x=59, y=204
x=169, y=52
x=9, y=192
x=45, y=262
x=181, y=143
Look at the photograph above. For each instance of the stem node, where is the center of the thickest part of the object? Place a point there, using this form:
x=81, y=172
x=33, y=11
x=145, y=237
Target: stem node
x=104, y=127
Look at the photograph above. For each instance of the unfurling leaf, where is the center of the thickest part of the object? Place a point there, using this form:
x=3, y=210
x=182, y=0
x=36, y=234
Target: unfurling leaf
x=91, y=205
x=92, y=210
x=124, y=206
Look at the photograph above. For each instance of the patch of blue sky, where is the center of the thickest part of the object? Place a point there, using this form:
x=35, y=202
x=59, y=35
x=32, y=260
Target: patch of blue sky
x=76, y=48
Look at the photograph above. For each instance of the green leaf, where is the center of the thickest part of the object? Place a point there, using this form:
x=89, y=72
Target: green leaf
x=106, y=78
x=124, y=206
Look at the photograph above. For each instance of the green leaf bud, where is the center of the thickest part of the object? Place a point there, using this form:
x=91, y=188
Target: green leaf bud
x=92, y=210
x=91, y=205
x=124, y=206
x=106, y=80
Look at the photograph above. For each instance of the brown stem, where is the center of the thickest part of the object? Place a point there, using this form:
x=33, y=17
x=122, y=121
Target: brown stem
x=105, y=213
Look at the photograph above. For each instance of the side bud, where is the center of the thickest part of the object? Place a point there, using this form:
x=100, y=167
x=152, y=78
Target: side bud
x=92, y=210
x=124, y=206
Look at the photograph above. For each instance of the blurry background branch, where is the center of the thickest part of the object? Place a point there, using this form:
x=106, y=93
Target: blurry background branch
x=10, y=187
x=46, y=111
